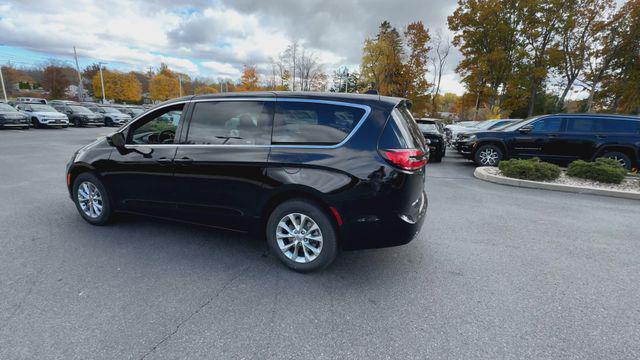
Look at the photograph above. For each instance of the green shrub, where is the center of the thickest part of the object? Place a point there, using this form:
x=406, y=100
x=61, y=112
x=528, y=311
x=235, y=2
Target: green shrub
x=603, y=170
x=530, y=169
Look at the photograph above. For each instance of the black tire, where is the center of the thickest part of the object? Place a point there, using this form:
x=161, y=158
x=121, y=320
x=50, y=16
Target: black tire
x=108, y=122
x=107, y=210
x=25, y=128
x=36, y=123
x=76, y=123
x=436, y=159
x=622, y=158
x=488, y=155
x=327, y=231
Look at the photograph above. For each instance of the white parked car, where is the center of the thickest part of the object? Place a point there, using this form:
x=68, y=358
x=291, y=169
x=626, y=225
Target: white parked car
x=454, y=129
x=43, y=115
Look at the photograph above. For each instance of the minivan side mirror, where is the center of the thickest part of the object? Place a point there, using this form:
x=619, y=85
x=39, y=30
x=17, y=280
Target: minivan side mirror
x=526, y=129
x=117, y=140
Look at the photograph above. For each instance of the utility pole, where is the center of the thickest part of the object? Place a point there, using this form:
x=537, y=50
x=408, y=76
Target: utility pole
x=180, y=84
x=4, y=91
x=104, y=99
x=80, y=86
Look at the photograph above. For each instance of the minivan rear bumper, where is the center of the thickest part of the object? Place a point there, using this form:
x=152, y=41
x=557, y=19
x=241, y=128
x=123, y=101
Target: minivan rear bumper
x=394, y=229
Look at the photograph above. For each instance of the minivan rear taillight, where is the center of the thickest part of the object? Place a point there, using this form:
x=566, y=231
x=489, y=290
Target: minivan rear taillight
x=405, y=159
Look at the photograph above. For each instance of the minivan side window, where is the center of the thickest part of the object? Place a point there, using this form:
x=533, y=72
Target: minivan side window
x=230, y=123
x=158, y=127
x=553, y=124
x=313, y=123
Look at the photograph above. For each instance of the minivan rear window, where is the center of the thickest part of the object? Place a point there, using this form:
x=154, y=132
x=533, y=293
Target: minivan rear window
x=402, y=131
x=313, y=122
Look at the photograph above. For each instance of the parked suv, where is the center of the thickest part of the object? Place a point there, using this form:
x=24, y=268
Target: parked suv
x=12, y=118
x=314, y=172
x=431, y=130
x=111, y=116
x=560, y=138
x=482, y=126
x=42, y=115
x=79, y=115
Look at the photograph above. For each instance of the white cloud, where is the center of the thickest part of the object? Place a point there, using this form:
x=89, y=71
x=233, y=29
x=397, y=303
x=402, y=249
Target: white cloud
x=204, y=38
x=221, y=69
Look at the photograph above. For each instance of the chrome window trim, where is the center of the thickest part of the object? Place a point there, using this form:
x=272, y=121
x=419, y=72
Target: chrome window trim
x=366, y=108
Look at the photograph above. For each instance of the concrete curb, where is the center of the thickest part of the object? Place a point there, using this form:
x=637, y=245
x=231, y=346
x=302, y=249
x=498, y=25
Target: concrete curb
x=482, y=174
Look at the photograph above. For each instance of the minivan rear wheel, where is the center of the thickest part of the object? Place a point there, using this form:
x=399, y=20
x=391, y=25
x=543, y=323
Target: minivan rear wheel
x=621, y=158
x=488, y=155
x=302, y=236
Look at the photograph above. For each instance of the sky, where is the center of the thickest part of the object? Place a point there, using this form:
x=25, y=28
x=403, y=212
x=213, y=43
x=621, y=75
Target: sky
x=209, y=39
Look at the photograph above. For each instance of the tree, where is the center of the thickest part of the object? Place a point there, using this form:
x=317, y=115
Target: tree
x=118, y=86
x=14, y=76
x=609, y=39
x=486, y=32
x=415, y=84
x=540, y=21
x=620, y=90
x=345, y=81
x=576, y=38
x=249, y=79
x=382, y=65
x=205, y=89
x=55, y=81
x=163, y=86
x=442, y=47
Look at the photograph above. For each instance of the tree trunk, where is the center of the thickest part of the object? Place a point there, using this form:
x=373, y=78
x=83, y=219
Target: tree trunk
x=570, y=82
x=591, y=93
x=532, y=99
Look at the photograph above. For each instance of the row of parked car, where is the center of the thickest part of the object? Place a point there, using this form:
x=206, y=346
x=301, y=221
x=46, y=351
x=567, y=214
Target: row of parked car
x=26, y=112
x=557, y=138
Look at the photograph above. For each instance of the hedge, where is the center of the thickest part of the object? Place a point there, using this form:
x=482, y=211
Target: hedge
x=529, y=169
x=602, y=169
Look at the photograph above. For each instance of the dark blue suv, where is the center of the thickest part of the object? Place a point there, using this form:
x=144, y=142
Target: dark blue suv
x=310, y=172
x=559, y=138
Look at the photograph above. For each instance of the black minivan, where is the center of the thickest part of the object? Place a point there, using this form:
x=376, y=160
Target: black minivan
x=314, y=172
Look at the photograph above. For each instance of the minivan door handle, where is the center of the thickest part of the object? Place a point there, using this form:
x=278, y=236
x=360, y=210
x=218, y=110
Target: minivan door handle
x=164, y=161
x=184, y=160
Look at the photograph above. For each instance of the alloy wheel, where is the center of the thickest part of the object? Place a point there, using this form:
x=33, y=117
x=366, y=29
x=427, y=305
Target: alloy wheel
x=619, y=160
x=90, y=199
x=489, y=157
x=299, y=237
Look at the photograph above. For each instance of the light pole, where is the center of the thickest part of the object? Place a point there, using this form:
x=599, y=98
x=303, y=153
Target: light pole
x=4, y=91
x=104, y=99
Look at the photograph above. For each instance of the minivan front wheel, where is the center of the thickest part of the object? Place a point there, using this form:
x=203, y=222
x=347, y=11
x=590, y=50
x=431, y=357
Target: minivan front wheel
x=302, y=236
x=92, y=199
x=621, y=158
x=488, y=155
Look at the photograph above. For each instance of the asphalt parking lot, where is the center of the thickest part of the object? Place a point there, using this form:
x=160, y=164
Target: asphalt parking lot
x=497, y=272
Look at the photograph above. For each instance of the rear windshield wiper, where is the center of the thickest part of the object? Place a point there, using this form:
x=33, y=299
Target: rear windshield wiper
x=227, y=138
